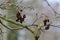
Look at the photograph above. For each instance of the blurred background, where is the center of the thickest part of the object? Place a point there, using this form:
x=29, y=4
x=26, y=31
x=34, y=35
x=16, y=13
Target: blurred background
x=30, y=8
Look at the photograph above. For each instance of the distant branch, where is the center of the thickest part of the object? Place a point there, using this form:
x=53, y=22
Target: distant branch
x=56, y=26
x=51, y=7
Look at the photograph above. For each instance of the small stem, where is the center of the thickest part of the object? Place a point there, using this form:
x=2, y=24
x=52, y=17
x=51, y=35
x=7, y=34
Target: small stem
x=33, y=32
x=36, y=37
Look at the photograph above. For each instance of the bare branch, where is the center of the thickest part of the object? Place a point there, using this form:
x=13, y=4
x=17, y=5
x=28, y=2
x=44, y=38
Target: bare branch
x=51, y=7
x=5, y=26
x=16, y=23
x=55, y=26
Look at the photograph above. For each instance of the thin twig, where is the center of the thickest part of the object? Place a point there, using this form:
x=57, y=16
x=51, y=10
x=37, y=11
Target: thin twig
x=55, y=26
x=51, y=7
x=5, y=25
x=10, y=27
